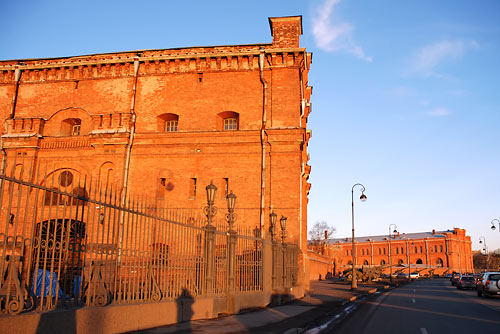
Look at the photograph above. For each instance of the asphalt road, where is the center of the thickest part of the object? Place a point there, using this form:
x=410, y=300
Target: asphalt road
x=424, y=306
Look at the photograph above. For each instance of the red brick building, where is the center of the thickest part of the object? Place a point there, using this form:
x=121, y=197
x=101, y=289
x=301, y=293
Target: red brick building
x=436, y=252
x=164, y=123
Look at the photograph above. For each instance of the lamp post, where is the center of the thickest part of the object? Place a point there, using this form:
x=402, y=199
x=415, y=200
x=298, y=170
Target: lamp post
x=272, y=222
x=482, y=240
x=210, y=210
x=230, y=215
x=283, y=247
x=354, y=282
x=283, y=228
x=272, y=228
x=390, y=258
x=493, y=227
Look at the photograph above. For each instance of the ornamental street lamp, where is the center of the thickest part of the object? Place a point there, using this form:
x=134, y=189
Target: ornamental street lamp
x=390, y=259
x=283, y=228
x=482, y=240
x=272, y=222
x=230, y=215
x=210, y=210
x=354, y=282
x=493, y=227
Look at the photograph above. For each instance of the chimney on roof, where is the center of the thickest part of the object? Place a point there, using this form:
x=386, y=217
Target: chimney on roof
x=433, y=232
x=398, y=234
x=286, y=31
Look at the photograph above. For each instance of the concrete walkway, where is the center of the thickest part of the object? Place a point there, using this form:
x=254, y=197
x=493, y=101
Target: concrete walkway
x=326, y=299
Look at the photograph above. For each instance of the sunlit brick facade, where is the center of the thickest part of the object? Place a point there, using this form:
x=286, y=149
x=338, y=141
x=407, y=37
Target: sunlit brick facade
x=436, y=252
x=164, y=123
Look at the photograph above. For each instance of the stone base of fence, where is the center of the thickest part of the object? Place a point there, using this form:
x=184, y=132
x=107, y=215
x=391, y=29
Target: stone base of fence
x=124, y=318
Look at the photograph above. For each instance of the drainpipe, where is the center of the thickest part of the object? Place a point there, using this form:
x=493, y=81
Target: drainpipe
x=263, y=140
x=132, y=132
x=302, y=174
x=17, y=78
x=127, y=160
x=447, y=258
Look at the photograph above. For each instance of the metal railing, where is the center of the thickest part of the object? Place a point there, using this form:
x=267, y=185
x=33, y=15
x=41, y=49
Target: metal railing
x=69, y=243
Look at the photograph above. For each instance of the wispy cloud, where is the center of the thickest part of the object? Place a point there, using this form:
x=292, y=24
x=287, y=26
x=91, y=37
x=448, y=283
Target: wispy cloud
x=335, y=37
x=426, y=61
x=439, y=112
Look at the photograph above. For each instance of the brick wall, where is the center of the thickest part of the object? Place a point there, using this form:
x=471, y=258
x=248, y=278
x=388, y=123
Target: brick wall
x=197, y=85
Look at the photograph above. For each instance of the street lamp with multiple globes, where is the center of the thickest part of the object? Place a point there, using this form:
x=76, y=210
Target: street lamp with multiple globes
x=354, y=283
x=493, y=227
x=390, y=258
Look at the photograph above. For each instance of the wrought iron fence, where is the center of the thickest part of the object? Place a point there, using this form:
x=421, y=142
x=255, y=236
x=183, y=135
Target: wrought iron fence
x=86, y=244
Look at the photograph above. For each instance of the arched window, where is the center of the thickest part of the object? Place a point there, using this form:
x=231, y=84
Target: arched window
x=228, y=121
x=419, y=261
x=439, y=262
x=365, y=263
x=349, y=263
x=168, y=122
x=400, y=261
x=71, y=127
x=382, y=263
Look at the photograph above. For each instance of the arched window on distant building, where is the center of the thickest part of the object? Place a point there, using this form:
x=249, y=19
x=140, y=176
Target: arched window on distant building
x=365, y=263
x=439, y=262
x=71, y=127
x=228, y=121
x=419, y=261
x=382, y=263
x=168, y=122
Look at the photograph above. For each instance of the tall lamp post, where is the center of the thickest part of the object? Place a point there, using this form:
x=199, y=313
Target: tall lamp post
x=354, y=283
x=493, y=227
x=390, y=258
x=482, y=240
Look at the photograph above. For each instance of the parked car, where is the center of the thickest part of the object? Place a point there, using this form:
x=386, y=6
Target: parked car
x=489, y=284
x=414, y=275
x=402, y=276
x=466, y=282
x=454, y=279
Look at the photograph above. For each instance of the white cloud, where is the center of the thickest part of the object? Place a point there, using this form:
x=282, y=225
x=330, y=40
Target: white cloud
x=427, y=59
x=335, y=37
x=439, y=112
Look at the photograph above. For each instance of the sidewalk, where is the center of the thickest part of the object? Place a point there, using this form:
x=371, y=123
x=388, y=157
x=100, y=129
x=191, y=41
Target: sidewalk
x=326, y=299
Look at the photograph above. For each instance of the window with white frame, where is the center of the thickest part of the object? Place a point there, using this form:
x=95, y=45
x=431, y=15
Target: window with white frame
x=230, y=124
x=171, y=126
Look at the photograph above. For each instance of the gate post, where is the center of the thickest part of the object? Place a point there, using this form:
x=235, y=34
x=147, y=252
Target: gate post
x=231, y=265
x=209, y=258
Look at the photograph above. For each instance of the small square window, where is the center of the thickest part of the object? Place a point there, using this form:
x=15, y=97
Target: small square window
x=230, y=124
x=171, y=126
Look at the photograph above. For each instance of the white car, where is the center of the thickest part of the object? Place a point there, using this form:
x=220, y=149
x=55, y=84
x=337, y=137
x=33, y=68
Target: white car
x=414, y=275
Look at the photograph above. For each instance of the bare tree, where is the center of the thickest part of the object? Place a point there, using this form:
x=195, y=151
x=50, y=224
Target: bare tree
x=321, y=231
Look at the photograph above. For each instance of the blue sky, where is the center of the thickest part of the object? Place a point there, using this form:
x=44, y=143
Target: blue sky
x=405, y=96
